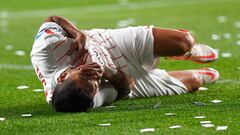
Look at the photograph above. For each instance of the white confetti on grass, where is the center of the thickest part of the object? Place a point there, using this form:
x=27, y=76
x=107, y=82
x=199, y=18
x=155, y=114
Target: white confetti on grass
x=123, y=2
x=15, y=66
x=226, y=55
x=22, y=87
x=126, y=22
x=237, y=24
x=215, y=37
x=207, y=125
x=104, y=124
x=20, y=53
x=216, y=101
x=220, y=128
x=26, y=115
x=157, y=105
x=202, y=88
x=200, y=117
x=2, y=119
x=147, y=130
x=238, y=43
x=38, y=90
x=8, y=47
x=175, y=126
x=227, y=35
x=205, y=122
x=3, y=14
x=198, y=103
x=110, y=106
x=222, y=19
x=170, y=114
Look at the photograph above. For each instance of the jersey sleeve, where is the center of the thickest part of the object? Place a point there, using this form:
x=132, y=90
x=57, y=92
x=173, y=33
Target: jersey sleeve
x=48, y=55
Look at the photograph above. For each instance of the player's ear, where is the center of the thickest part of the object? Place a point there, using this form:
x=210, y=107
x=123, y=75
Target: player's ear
x=61, y=78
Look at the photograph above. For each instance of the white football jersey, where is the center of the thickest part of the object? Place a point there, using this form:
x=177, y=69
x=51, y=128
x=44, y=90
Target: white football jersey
x=49, y=56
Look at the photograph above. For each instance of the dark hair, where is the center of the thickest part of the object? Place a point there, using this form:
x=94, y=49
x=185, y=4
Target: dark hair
x=69, y=98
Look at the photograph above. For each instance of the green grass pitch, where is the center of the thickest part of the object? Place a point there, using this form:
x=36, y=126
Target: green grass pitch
x=20, y=20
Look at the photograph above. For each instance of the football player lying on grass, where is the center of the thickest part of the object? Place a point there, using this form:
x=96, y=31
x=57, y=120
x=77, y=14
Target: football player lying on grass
x=82, y=69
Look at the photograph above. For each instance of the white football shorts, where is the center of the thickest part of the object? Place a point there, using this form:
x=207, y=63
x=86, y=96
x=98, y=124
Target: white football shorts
x=136, y=43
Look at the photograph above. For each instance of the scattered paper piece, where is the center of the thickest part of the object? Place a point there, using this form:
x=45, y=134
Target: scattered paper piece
x=207, y=125
x=226, y=55
x=38, y=90
x=3, y=14
x=205, y=122
x=238, y=43
x=215, y=37
x=157, y=105
x=238, y=68
x=237, y=24
x=202, y=88
x=199, y=103
x=227, y=35
x=200, y=117
x=147, y=130
x=126, y=22
x=8, y=47
x=170, y=114
x=175, y=126
x=220, y=128
x=22, y=87
x=2, y=119
x=26, y=115
x=20, y=53
x=222, y=19
x=110, y=106
x=216, y=101
x=105, y=124
x=123, y=2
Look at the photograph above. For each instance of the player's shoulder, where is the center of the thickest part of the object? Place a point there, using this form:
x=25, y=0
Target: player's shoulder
x=49, y=25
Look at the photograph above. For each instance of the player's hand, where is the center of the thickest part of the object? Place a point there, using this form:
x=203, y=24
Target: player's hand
x=120, y=81
x=109, y=73
x=93, y=71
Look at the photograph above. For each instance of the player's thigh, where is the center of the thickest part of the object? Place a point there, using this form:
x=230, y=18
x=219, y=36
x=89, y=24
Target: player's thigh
x=169, y=42
x=136, y=43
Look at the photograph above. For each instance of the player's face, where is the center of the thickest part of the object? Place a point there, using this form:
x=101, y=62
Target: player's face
x=86, y=76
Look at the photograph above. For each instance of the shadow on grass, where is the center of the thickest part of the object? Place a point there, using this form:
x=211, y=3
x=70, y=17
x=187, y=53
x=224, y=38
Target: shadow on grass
x=167, y=103
x=42, y=109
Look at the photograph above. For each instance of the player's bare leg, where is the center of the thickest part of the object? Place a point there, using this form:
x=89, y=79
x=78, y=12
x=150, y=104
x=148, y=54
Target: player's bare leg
x=169, y=43
x=181, y=45
x=193, y=79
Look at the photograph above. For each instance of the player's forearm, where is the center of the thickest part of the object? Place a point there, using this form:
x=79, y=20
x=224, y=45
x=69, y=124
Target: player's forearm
x=72, y=30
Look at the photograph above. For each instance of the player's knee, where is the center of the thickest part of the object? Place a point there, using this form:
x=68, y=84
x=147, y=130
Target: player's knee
x=186, y=42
